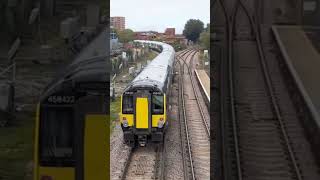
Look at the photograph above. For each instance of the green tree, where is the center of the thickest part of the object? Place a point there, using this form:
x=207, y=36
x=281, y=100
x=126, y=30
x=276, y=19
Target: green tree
x=205, y=38
x=113, y=30
x=192, y=29
x=207, y=29
x=125, y=36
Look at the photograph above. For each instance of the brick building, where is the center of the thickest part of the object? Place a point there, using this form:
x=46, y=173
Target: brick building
x=170, y=32
x=146, y=35
x=118, y=22
x=168, y=36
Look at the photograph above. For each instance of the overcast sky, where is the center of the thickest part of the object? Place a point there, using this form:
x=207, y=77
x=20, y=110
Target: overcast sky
x=142, y=15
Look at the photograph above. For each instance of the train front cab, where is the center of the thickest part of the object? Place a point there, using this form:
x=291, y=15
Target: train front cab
x=71, y=138
x=143, y=116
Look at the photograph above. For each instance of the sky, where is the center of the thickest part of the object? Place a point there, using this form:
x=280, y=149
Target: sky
x=157, y=15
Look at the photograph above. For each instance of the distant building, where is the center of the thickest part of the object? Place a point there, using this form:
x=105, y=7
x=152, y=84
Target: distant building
x=169, y=36
x=118, y=22
x=181, y=38
x=146, y=35
x=170, y=32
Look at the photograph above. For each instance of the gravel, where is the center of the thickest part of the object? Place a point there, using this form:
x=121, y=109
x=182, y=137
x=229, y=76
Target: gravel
x=119, y=153
x=173, y=149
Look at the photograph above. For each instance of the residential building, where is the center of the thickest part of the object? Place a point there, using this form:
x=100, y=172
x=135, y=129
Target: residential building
x=118, y=22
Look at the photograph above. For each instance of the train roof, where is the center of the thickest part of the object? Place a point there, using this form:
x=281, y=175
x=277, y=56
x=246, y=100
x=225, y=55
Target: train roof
x=155, y=74
x=90, y=66
x=92, y=70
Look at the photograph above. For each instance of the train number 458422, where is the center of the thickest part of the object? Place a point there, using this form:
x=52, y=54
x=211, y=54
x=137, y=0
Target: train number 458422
x=61, y=99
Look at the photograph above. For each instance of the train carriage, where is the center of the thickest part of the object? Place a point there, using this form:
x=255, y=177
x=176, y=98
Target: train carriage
x=144, y=107
x=71, y=129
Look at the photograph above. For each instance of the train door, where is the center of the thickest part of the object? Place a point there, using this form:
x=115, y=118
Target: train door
x=142, y=116
x=92, y=138
x=142, y=113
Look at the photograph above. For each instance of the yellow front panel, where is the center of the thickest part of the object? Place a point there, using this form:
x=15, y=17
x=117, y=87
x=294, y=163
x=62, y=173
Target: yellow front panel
x=155, y=119
x=96, y=147
x=142, y=113
x=129, y=118
x=56, y=173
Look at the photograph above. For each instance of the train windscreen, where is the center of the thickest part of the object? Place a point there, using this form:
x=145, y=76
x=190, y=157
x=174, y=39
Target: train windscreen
x=57, y=136
x=127, y=104
x=157, y=104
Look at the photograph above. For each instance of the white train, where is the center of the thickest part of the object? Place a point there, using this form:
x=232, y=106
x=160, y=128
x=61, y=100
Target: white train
x=143, y=113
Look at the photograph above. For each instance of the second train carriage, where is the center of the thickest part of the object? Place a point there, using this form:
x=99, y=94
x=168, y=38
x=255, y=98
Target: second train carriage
x=144, y=106
x=71, y=130
x=71, y=127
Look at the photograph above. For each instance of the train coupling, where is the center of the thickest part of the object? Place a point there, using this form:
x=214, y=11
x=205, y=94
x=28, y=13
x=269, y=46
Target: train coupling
x=142, y=140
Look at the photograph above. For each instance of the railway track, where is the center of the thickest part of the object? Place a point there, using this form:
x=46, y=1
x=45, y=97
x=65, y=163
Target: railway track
x=258, y=119
x=145, y=163
x=195, y=135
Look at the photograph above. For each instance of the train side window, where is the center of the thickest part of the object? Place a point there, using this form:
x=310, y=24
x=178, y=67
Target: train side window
x=127, y=104
x=157, y=104
x=56, y=136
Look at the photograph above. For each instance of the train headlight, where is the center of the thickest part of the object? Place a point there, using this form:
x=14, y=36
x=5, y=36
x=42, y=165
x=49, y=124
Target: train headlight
x=124, y=122
x=160, y=123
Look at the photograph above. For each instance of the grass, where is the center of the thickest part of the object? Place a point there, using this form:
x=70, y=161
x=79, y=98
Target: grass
x=114, y=113
x=16, y=148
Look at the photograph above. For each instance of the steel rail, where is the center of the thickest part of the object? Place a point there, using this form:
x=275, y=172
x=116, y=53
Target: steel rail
x=158, y=171
x=223, y=110
x=190, y=56
x=180, y=96
x=230, y=27
x=254, y=25
x=126, y=166
x=186, y=123
x=161, y=153
x=197, y=96
x=187, y=133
